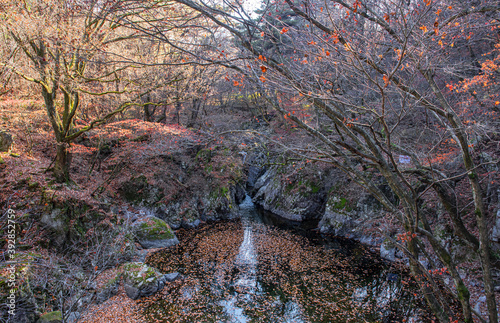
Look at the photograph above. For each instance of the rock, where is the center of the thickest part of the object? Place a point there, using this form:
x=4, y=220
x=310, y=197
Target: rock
x=238, y=193
x=5, y=141
x=137, y=190
x=73, y=317
x=392, y=277
x=254, y=173
x=152, y=232
x=109, y=290
x=172, y=277
x=336, y=222
x=51, y=317
x=387, y=251
x=190, y=224
x=481, y=299
x=141, y=255
x=495, y=233
x=264, y=179
x=140, y=280
x=300, y=201
x=58, y=223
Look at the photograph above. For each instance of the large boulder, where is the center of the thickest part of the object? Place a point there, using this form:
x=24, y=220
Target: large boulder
x=141, y=280
x=297, y=200
x=5, y=141
x=152, y=232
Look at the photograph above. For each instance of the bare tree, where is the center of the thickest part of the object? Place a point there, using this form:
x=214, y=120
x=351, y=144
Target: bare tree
x=75, y=50
x=376, y=73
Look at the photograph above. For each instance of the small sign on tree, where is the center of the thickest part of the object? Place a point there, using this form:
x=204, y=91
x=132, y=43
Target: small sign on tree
x=403, y=159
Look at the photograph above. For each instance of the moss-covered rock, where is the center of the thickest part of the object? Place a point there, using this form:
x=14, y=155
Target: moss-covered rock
x=141, y=280
x=298, y=199
x=6, y=141
x=68, y=220
x=51, y=317
x=152, y=232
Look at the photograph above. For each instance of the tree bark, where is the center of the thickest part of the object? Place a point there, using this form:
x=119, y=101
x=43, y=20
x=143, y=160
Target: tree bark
x=63, y=162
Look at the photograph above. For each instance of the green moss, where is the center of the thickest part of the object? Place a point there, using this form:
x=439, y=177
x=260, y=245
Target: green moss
x=1, y=160
x=113, y=281
x=157, y=230
x=139, y=273
x=52, y=316
x=314, y=188
x=340, y=204
x=463, y=292
x=220, y=192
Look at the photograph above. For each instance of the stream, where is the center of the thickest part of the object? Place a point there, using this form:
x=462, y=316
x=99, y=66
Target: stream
x=264, y=269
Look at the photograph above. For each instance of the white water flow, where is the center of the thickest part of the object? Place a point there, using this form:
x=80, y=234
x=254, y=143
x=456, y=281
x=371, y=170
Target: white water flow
x=246, y=284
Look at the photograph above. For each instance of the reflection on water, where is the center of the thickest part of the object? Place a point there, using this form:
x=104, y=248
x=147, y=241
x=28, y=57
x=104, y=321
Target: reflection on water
x=250, y=271
x=246, y=283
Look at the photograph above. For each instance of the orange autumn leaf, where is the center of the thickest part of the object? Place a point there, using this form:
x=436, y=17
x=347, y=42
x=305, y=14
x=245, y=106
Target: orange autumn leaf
x=386, y=80
x=262, y=78
x=424, y=29
x=263, y=68
x=284, y=30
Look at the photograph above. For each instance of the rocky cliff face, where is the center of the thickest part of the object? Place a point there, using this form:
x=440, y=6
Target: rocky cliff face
x=325, y=195
x=297, y=199
x=172, y=173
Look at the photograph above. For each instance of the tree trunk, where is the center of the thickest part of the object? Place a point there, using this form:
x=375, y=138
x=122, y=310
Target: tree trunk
x=195, y=109
x=148, y=114
x=62, y=164
x=177, y=114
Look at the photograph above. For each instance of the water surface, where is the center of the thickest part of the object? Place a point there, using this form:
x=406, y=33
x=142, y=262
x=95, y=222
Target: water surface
x=254, y=271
